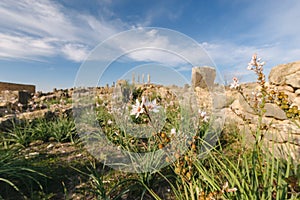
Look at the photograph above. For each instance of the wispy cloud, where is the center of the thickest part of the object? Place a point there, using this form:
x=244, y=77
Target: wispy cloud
x=33, y=29
x=30, y=29
x=75, y=52
x=273, y=33
x=163, y=46
x=25, y=47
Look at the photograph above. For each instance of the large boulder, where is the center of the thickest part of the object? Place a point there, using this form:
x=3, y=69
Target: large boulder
x=286, y=74
x=203, y=77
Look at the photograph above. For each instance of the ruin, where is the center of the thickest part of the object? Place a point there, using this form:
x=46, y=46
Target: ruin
x=17, y=87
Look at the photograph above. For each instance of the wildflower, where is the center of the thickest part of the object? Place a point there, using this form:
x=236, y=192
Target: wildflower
x=152, y=106
x=255, y=63
x=62, y=101
x=203, y=115
x=226, y=189
x=173, y=131
x=235, y=83
x=231, y=190
x=109, y=122
x=138, y=108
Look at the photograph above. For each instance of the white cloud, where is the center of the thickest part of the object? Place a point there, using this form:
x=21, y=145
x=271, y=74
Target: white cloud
x=31, y=29
x=75, y=52
x=24, y=47
x=34, y=28
x=155, y=45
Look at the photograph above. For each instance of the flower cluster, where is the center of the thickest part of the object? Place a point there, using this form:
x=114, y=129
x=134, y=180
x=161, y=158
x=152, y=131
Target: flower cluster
x=144, y=107
x=256, y=65
x=235, y=84
x=265, y=94
x=257, y=102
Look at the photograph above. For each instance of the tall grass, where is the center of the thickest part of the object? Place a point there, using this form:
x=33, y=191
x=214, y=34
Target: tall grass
x=60, y=129
x=14, y=175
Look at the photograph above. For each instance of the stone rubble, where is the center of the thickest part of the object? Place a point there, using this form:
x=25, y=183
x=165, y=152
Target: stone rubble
x=211, y=97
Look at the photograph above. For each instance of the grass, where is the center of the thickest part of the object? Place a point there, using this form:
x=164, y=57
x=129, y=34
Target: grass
x=255, y=175
x=61, y=129
x=17, y=176
x=58, y=167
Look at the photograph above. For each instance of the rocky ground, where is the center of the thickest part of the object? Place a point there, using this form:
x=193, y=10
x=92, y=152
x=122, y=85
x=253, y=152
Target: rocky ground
x=283, y=131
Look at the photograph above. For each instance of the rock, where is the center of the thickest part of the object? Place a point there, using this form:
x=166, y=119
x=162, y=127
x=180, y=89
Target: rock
x=245, y=106
x=36, y=143
x=43, y=98
x=32, y=155
x=297, y=92
x=50, y=146
x=121, y=82
x=6, y=122
x=24, y=97
x=297, y=101
x=34, y=115
x=272, y=110
x=219, y=101
x=286, y=88
x=203, y=77
x=293, y=80
x=286, y=74
x=3, y=104
x=164, y=92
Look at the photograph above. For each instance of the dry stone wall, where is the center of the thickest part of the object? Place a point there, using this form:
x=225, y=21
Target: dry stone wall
x=16, y=87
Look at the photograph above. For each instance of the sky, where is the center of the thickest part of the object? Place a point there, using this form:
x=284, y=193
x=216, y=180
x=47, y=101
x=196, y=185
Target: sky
x=48, y=42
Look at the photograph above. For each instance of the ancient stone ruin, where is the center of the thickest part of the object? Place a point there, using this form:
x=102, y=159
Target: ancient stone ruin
x=203, y=77
x=17, y=87
x=283, y=134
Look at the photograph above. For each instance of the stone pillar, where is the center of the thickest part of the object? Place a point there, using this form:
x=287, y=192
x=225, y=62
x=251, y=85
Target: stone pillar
x=133, y=78
x=148, y=77
x=143, y=78
x=138, y=78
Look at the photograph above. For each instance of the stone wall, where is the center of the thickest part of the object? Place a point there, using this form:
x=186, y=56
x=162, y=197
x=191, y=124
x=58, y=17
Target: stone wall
x=16, y=87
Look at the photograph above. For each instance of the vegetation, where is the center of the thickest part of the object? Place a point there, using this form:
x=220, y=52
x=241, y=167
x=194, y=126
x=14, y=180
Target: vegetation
x=45, y=159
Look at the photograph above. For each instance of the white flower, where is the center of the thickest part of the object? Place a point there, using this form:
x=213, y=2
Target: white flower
x=152, y=106
x=232, y=189
x=138, y=108
x=226, y=189
x=203, y=115
x=235, y=83
x=255, y=63
x=173, y=131
x=205, y=119
x=249, y=66
x=109, y=122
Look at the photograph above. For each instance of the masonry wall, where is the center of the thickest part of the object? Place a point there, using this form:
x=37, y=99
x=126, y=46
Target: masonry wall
x=16, y=87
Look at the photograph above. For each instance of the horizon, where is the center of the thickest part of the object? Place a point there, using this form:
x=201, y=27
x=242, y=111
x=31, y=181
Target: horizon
x=45, y=43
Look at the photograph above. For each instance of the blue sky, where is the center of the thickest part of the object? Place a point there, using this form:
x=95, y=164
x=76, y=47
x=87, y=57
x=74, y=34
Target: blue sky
x=44, y=42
